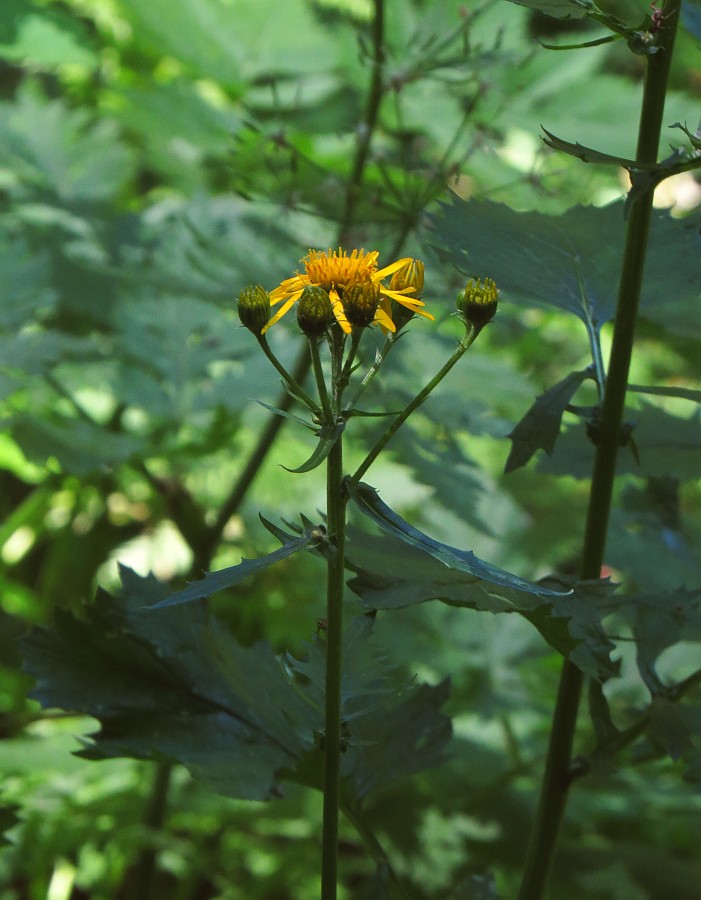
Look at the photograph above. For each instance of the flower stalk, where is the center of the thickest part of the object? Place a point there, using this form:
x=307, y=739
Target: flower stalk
x=336, y=523
x=558, y=769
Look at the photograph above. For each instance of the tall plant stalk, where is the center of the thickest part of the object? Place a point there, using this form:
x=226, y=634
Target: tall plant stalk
x=336, y=521
x=557, y=776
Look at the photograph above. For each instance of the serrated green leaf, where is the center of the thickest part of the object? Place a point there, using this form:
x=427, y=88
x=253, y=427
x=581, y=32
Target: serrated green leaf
x=25, y=275
x=52, y=148
x=43, y=37
x=368, y=502
x=176, y=685
x=540, y=427
x=213, y=582
x=171, y=685
x=391, y=728
x=661, y=620
x=572, y=261
x=390, y=574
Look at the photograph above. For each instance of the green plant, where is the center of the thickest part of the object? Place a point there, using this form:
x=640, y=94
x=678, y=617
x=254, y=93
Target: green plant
x=132, y=415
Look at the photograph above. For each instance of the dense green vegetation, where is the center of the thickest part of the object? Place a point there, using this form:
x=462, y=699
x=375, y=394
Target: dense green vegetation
x=155, y=159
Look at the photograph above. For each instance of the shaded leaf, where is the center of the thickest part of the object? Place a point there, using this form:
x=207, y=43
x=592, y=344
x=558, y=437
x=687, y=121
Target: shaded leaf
x=540, y=427
x=391, y=728
x=683, y=393
x=176, y=685
x=691, y=17
x=368, y=502
x=213, y=582
x=572, y=261
x=390, y=574
x=667, y=445
x=327, y=440
x=171, y=685
x=53, y=148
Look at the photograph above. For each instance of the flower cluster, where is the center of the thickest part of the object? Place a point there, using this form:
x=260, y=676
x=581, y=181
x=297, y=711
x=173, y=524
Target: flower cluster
x=347, y=288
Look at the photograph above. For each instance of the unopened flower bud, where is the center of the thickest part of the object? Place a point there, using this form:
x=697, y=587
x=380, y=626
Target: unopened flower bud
x=411, y=275
x=360, y=302
x=314, y=312
x=254, y=307
x=477, y=302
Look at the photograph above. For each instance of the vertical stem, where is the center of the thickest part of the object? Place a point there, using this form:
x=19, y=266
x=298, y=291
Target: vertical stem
x=336, y=520
x=367, y=127
x=154, y=816
x=557, y=776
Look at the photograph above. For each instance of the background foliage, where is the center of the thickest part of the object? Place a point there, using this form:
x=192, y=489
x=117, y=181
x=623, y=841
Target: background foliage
x=156, y=157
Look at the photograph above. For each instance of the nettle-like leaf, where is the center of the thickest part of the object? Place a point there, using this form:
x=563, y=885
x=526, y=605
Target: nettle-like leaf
x=55, y=149
x=367, y=500
x=572, y=261
x=540, y=427
x=79, y=446
x=171, y=684
x=672, y=721
x=174, y=684
x=391, y=727
x=391, y=574
x=25, y=276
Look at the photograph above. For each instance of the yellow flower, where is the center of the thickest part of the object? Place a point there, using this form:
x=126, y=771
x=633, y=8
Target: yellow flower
x=337, y=271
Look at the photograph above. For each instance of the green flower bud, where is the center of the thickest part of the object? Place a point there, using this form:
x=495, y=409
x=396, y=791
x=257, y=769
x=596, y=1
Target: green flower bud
x=360, y=302
x=477, y=302
x=254, y=307
x=314, y=312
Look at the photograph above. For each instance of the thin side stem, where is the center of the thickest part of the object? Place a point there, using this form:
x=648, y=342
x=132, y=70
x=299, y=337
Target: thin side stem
x=461, y=349
x=557, y=777
x=289, y=380
x=320, y=381
x=336, y=521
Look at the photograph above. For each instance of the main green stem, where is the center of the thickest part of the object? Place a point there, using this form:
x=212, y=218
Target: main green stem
x=336, y=523
x=557, y=776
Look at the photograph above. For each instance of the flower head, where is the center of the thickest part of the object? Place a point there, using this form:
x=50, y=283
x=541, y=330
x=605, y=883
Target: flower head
x=353, y=283
x=477, y=302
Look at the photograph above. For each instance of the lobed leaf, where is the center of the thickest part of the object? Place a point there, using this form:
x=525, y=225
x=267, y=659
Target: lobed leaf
x=390, y=574
x=572, y=261
x=540, y=427
x=178, y=686
x=368, y=502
